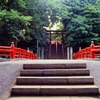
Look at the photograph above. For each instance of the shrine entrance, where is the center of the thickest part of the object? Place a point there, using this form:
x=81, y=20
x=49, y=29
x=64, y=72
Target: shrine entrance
x=56, y=48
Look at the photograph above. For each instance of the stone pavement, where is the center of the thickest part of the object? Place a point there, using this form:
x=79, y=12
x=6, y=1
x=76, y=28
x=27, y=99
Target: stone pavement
x=57, y=98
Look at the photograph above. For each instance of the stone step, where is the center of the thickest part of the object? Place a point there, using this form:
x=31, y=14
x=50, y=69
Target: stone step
x=54, y=80
x=55, y=66
x=54, y=98
x=53, y=90
x=75, y=80
x=55, y=72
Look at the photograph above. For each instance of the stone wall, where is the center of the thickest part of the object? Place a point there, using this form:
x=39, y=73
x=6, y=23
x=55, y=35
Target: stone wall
x=8, y=74
x=94, y=67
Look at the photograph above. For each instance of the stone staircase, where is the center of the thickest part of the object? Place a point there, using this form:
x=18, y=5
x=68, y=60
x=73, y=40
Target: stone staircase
x=54, y=80
x=56, y=52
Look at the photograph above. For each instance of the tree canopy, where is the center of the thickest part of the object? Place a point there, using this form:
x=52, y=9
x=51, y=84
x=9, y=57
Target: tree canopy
x=24, y=20
x=83, y=23
x=13, y=20
x=28, y=15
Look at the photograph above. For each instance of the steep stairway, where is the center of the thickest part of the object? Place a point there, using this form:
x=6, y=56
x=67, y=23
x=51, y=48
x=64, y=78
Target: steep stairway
x=57, y=52
x=54, y=80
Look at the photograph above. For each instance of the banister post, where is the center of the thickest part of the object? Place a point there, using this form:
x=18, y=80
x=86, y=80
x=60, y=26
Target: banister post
x=92, y=54
x=80, y=48
x=12, y=56
x=80, y=54
x=28, y=50
x=28, y=53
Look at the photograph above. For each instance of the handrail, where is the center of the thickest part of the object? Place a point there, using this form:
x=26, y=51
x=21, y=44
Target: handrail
x=14, y=52
x=88, y=52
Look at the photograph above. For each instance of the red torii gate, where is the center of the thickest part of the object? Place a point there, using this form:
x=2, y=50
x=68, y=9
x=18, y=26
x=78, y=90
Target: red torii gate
x=57, y=32
x=61, y=32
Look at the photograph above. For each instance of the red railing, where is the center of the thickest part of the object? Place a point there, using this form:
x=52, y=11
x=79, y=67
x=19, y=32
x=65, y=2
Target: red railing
x=12, y=52
x=89, y=52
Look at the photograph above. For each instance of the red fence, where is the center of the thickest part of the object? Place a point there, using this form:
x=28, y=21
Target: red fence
x=89, y=52
x=12, y=52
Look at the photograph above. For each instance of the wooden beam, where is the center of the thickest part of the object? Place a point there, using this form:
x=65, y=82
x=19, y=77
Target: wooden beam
x=60, y=31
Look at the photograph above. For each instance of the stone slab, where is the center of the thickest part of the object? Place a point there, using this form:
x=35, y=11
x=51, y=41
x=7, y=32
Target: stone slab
x=69, y=90
x=55, y=90
x=55, y=72
x=54, y=66
x=55, y=98
x=25, y=90
x=76, y=80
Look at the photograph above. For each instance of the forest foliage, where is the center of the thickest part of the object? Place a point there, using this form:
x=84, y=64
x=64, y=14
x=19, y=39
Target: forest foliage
x=24, y=20
x=83, y=23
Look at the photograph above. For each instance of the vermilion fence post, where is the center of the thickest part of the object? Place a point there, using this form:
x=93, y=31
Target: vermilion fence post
x=12, y=56
x=92, y=54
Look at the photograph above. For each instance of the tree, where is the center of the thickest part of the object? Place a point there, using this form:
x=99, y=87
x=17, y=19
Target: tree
x=83, y=22
x=12, y=21
x=45, y=13
x=92, y=15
